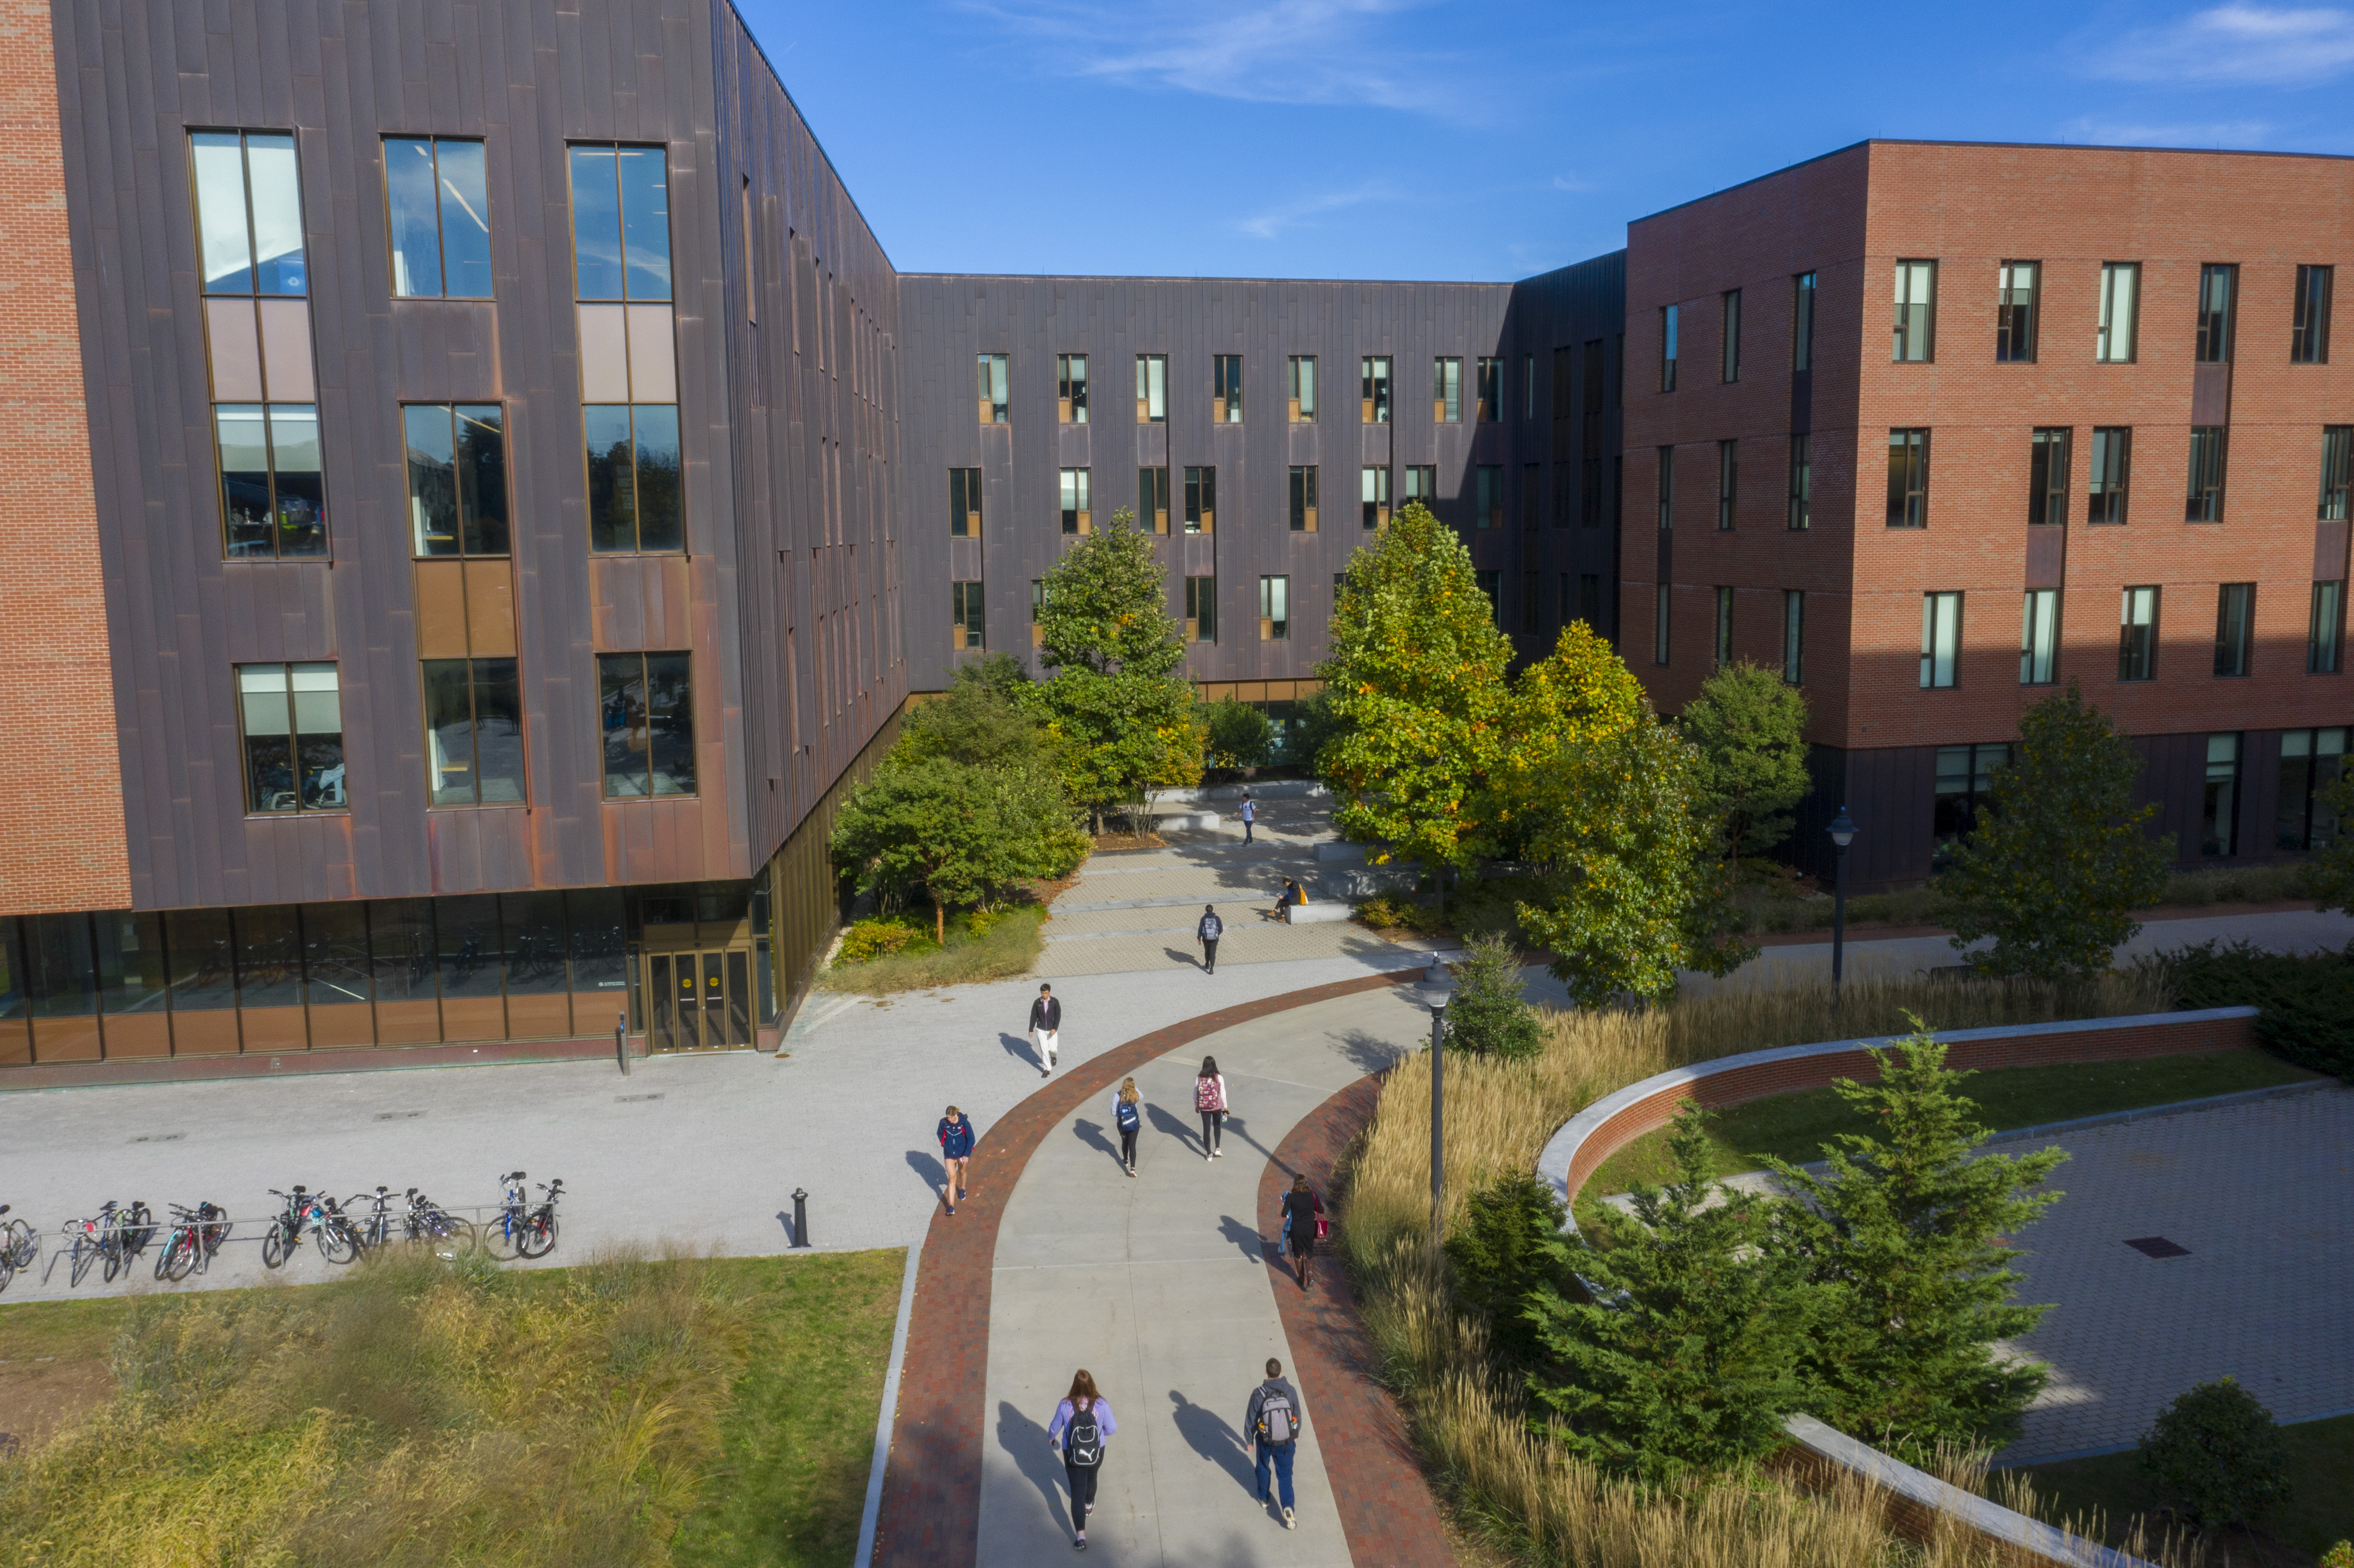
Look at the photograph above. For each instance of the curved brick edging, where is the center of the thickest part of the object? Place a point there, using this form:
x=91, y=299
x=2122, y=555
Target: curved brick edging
x=931, y=1483
x=1384, y=1503
x=1595, y=1134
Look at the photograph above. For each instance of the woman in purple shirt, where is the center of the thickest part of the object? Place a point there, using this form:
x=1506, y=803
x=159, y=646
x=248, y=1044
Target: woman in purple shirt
x=1080, y=1430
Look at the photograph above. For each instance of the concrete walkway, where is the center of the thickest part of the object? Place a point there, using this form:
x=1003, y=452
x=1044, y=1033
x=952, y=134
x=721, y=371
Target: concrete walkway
x=1157, y=1286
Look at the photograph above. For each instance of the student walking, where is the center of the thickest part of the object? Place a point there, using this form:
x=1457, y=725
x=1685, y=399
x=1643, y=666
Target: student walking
x=1210, y=1099
x=1250, y=815
x=1303, y=1227
x=1127, y=1115
x=1273, y=1421
x=956, y=1149
x=1081, y=1429
x=1207, y=933
x=1046, y=1028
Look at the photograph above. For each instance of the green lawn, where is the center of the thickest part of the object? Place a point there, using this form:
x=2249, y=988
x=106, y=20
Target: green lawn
x=1010, y=948
x=628, y=1411
x=2319, y=1512
x=1796, y=1127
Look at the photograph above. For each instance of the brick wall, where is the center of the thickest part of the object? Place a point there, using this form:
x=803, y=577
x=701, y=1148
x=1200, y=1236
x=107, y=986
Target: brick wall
x=59, y=749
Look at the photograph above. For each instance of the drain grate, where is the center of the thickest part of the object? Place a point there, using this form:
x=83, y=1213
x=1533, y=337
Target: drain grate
x=2157, y=1246
x=159, y=1137
x=398, y=1116
x=625, y=1100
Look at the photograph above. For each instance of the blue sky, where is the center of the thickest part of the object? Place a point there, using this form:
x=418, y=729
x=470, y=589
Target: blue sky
x=1446, y=139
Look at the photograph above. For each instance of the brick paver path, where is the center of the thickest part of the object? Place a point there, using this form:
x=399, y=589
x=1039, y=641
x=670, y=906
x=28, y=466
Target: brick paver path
x=1159, y=1286
x=2263, y=1196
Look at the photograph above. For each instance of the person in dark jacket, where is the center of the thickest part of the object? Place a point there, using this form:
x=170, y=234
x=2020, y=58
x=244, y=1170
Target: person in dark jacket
x=1301, y=1209
x=1207, y=933
x=1272, y=1424
x=1047, y=1027
x=956, y=1148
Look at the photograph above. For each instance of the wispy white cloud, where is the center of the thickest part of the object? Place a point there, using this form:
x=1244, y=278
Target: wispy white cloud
x=2243, y=44
x=1572, y=182
x=1272, y=223
x=1290, y=51
x=2186, y=133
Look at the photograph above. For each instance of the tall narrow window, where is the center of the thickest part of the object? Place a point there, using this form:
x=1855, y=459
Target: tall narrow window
x=620, y=223
x=1724, y=627
x=1794, y=636
x=992, y=383
x=1202, y=610
x=1531, y=499
x=633, y=479
x=648, y=717
x=249, y=213
x=2137, y=635
x=1303, y=499
x=1916, y=310
x=2309, y=341
x=2336, y=447
x=1071, y=388
x=291, y=719
x=1152, y=499
x=1488, y=481
x=2112, y=466
x=2114, y=343
x=1490, y=399
x=1274, y=609
x=1666, y=488
x=2014, y=312
x=1668, y=346
x=1201, y=500
x=2236, y=614
x=1152, y=388
x=964, y=503
x=1659, y=628
x=2039, y=638
x=2205, y=502
x=440, y=217
x=1227, y=389
x=1300, y=387
x=1802, y=322
x=1421, y=484
x=1941, y=639
x=1730, y=370
x=1589, y=600
x=2325, y=631
x=2219, y=813
x=1531, y=613
x=2309, y=764
x=966, y=618
x=474, y=731
x=1038, y=609
x=1802, y=479
x=1078, y=501
x=273, y=497
x=457, y=478
x=1528, y=386
x=1447, y=390
x=2219, y=297
x=1908, y=479
x=1492, y=586
x=2047, y=477
x=1374, y=484
x=1373, y=386
x=1965, y=775
x=1728, y=485
x=1589, y=492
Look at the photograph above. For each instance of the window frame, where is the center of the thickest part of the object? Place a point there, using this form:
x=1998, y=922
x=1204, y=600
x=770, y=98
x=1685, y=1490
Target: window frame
x=2112, y=453
x=1152, y=388
x=1447, y=389
x=2215, y=312
x=1075, y=500
x=1729, y=336
x=1662, y=627
x=1488, y=391
x=1377, y=506
x=2047, y=475
x=1376, y=388
x=476, y=680
x=1941, y=639
x=629, y=294
x=2039, y=638
x=1300, y=387
x=253, y=263
x=675, y=657
x=275, y=514
x=1225, y=388
x=442, y=197
x=1723, y=649
x=2325, y=635
x=968, y=616
x=1908, y=476
x=1201, y=498
x=2336, y=474
x=1911, y=331
x=1487, y=496
x=1799, y=516
x=1794, y=637
x=1802, y=289
x=1666, y=488
x=1154, y=508
x=1070, y=388
x=1274, y=594
x=2138, y=638
x=1728, y=485
x=1669, y=347
x=993, y=386
x=2219, y=796
x=297, y=767
x=2120, y=285
x=2308, y=342
x=965, y=509
x=464, y=513
x=1302, y=512
x=2016, y=321
x=2210, y=455
x=632, y=412
x=1201, y=608
x=2235, y=616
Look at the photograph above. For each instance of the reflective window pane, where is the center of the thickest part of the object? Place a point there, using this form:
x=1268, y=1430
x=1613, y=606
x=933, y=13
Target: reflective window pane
x=661, y=524
x=61, y=971
x=471, y=960
x=277, y=215
x=594, y=931
x=596, y=225
x=612, y=484
x=432, y=480
x=534, y=926
x=670, y=721
x=498, y=732
x=334, y=955
x=267, y=719
x=481, y=465
x=465, y=220
x=243, y=434
x=130, y=963
x=223, y=244
x=301, y=511
x=268, y=956
x=448, y=732
x=645, y=221
x=622, y=697
x=400, y=949
x=202, y=977
x=413, y=213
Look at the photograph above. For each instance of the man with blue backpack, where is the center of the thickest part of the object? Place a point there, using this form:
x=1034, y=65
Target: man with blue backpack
x=1273, y=1421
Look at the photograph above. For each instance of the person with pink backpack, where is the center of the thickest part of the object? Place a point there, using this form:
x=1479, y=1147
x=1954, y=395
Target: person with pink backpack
x=1210, y=1099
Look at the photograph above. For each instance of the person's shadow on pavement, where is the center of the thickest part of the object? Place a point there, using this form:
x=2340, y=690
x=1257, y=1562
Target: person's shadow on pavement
x=1215, y=1441
x=928, y=1167
x=1021, y=1048
x=1027, y=1441
x=1244, y=1237
x=1186, y=1132
x=1193, y=959
x=1092, y=1135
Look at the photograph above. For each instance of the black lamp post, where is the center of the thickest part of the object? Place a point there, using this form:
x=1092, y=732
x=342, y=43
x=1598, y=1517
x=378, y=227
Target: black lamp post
x=1842, y=831
x=1434, y=990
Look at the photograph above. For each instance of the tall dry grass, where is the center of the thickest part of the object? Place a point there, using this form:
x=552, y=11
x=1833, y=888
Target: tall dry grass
x=410, y=1414
x=1528, y=1498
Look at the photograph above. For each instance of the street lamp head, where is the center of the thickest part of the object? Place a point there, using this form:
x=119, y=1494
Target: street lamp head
x=1842, y=829
x=1436, y=987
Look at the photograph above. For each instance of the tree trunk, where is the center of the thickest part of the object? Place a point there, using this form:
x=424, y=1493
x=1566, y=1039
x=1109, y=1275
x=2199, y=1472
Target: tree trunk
x=940, y=923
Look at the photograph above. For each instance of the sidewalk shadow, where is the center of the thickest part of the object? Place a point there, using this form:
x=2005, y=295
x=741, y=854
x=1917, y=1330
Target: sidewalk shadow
x=1021, y=1048
x=1186, y=1132
x=1211, y=1437
x=1237, y=1128
x=1092, y=1135
x=1371, y=1053
x=1191, y=960
x=928, y=1167
x=1027, y=1441
x=1246, y=1238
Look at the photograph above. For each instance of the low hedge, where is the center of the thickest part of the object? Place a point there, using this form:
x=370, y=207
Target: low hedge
x=2305, y=1001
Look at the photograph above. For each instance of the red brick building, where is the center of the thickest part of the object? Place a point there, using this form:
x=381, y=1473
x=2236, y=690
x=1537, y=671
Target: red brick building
x=1938, y=429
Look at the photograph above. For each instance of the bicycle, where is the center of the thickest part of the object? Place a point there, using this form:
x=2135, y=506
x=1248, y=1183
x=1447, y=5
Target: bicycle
x=19, y=1246
x=196, y=1234
x=426, y=1221
x=376, y=1229
x=307, y=1210
x=522, y=1228
x=97, y=1240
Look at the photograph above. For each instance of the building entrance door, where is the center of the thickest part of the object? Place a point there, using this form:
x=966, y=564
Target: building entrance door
x=701, y=1001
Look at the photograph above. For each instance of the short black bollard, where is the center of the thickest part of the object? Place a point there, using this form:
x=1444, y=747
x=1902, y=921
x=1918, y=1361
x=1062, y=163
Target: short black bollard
x=621, y=1042
x=800, y=1218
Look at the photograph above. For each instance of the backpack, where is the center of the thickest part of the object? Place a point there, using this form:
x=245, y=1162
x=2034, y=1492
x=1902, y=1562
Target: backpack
x=1212, y=928
x=1083, y=1439
x=1126, y=1116
x=1205, y=1095
x=1275, y=1420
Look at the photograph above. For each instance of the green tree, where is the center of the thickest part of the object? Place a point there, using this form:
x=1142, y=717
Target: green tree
x=1749, y=727
x=1415, y=685
x=925, y=825
x=1240, y=735
x=2330, y=873
x=2059, y=858
x=980, y=719
x=2216, y=1455
x=1488, y=1016
x=1313, y=724
x=1498, y=1260
x=1692, y=1362
x=1119, y=708
x=1906, y=1235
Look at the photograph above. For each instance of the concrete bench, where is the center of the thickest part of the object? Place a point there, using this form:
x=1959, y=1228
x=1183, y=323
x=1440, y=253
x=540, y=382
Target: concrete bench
x=1316, y=913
